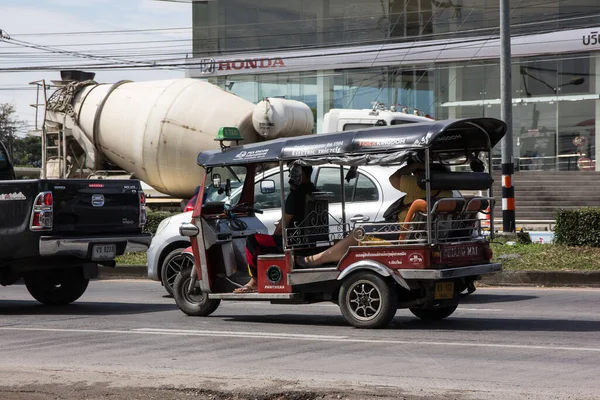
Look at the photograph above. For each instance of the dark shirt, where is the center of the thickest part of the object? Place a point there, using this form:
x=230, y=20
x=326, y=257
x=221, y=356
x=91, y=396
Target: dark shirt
x=296, y=201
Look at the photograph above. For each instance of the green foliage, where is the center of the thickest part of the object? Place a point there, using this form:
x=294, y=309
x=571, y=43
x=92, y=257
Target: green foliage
x=9, y=126
x=154, y=218
x=523, y=237
x=138, y=258
x=579, y=227
x=546, y=257
x=27, y=152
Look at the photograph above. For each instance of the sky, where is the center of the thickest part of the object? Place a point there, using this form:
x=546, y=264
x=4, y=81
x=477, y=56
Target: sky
x=45, y=22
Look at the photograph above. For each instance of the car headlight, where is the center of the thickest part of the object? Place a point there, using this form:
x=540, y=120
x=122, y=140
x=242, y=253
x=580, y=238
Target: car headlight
x=163, y=224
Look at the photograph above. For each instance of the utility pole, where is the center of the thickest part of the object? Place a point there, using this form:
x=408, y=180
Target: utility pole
x=508, y=166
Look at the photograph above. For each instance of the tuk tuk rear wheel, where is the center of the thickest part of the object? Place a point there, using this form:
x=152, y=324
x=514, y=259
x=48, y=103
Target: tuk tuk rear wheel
x=433, y=314
x=367, y=300
x=196, y=303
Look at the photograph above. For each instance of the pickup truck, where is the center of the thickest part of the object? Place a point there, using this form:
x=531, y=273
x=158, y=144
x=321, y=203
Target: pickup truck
x=55, y=233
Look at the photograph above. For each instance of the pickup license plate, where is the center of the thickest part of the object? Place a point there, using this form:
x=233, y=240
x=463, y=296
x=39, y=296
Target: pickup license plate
x=460, y=251
x=104, y=252
x=444, y=290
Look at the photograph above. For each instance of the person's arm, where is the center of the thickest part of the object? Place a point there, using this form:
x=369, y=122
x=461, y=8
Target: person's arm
x=279, y=228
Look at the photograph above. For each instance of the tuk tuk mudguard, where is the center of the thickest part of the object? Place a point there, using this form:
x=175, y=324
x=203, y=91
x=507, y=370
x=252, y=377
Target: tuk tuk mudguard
x=370, y=265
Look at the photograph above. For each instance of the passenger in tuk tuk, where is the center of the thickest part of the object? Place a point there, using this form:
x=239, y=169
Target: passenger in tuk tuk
x=259, y=243
x=404, y=180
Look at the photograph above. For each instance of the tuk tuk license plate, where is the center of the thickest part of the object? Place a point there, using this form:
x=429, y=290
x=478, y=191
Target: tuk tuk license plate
x=460, y=251
x=104, y=252
x=444, y=290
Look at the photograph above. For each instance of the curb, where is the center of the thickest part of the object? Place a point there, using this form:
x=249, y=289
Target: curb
x=543, y=278
x=123, y=272
x=505, y=278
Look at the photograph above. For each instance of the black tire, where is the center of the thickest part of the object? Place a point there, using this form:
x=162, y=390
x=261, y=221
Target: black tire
x=433, y=314
x=173, y=263
x=56, y=287
x=195, y=304
x=367, y=300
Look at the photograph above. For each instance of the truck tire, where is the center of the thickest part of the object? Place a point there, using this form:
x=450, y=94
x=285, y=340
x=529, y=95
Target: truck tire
x=367, y=300
x=174, y=262
x=195, y=304
x=433, y=314
x=56, y=287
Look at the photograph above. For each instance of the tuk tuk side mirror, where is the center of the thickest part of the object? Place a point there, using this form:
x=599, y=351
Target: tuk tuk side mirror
x=267, y=186
x=216, y=181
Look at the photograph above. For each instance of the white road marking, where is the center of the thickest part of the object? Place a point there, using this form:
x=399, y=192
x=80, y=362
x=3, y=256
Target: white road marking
x=241, y=333
x=300, y=337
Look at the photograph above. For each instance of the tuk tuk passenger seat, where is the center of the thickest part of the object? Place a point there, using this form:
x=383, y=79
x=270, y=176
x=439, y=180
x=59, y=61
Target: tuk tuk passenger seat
x=443, y=212
x=314, y=227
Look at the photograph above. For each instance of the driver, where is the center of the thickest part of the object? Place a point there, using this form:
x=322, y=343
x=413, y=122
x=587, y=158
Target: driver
x=258, y=243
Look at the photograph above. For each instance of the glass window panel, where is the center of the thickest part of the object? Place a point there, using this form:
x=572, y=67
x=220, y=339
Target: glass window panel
x=366, y=190
x=328, y=180
x=270, y=200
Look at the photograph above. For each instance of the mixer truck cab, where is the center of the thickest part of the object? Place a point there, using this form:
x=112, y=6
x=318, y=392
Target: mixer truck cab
x=425, y=262
x=55, y=233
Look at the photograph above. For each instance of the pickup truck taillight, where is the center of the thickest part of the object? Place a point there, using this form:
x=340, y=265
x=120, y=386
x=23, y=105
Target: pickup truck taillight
x=142, y=197
x=41, y=215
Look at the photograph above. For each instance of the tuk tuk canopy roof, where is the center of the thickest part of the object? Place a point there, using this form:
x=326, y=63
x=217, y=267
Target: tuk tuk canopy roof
x=383, y=145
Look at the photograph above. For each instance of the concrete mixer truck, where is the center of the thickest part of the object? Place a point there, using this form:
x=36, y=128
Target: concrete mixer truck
x=154, y=130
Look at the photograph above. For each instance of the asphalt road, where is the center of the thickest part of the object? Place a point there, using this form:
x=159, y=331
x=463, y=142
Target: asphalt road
x=502, y=343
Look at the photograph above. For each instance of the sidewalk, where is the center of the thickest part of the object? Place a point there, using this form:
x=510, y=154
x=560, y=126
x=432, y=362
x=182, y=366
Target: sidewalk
x=506, y=278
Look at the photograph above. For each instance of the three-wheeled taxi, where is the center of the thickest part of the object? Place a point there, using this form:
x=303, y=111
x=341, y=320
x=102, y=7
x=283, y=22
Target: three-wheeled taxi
x=427, y=262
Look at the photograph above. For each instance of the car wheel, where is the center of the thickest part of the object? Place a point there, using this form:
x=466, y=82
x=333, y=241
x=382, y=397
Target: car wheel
x=194, y=303
x=174, y=262
x=56, y=287
x=367, y=300
x=433, y=314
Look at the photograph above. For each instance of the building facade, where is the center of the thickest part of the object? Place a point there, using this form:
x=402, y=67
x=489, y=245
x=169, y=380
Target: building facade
x=439, y=56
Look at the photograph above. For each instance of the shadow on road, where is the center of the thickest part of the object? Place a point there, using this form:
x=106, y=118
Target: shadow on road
x=405, y=321
x=24, y=307
x=478, y=298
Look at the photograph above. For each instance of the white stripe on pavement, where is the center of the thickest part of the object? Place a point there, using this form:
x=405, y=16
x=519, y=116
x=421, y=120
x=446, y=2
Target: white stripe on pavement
x=300, y=337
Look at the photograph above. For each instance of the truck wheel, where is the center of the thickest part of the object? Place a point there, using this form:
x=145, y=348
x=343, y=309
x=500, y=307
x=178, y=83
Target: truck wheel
x=174, y=262
x=367, y=300
x=196, y=303
x=56, y=287
x=433, y=314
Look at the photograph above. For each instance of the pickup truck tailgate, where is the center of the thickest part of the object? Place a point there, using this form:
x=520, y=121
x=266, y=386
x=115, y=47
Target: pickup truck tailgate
x=98, y=206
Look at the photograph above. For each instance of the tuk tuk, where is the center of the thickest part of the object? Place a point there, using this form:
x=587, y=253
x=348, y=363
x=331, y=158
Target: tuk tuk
x=425, y=263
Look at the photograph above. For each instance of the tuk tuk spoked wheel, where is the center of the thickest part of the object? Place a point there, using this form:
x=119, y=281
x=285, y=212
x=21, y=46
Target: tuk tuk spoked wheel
x=194, y=302
x=367, y=300
x=433, y=314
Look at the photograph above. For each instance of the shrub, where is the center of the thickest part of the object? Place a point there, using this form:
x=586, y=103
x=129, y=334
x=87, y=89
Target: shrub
x=579, y=227
x=154, y=218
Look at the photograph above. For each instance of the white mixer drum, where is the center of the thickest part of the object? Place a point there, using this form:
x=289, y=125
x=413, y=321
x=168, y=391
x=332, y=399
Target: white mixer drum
x=274, y=118
x=156, y=129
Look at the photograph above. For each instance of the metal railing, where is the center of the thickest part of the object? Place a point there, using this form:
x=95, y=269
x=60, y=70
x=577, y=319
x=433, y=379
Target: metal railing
x=562, y=162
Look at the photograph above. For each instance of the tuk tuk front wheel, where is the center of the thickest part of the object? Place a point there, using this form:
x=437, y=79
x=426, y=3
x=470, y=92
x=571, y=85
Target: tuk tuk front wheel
x=433, y=314
x=194, y=303
x=367, y=300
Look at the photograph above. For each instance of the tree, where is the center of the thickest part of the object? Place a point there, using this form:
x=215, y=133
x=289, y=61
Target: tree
x=27, y=152
x=9, y=126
